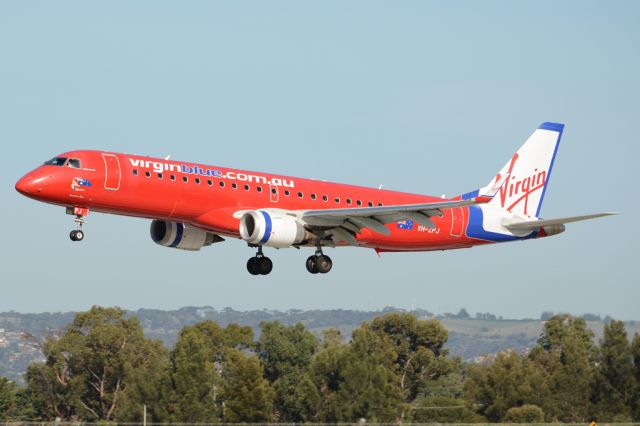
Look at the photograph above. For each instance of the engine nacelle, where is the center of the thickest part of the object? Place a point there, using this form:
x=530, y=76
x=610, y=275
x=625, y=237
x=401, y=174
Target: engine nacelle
x=271, y=229
x=181, y=236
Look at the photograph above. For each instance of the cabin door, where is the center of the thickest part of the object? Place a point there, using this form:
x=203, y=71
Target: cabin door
x=111, y=172
x=457, y=221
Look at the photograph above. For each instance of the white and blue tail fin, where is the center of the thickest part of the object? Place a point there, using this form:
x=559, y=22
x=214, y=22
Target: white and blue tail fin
x=527, y=172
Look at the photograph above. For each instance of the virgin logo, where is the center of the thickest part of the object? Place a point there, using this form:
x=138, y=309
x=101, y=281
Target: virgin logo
x=517, y=190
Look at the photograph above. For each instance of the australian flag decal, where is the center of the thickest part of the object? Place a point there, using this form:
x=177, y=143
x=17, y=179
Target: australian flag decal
x=78, y=183
x=406, y=224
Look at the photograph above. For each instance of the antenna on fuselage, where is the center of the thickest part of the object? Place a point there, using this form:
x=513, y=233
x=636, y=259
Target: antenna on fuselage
x=380, y=187
x=167, y=157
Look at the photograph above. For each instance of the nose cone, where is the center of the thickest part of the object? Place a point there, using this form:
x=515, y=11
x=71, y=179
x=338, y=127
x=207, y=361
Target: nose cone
x=31, y=185
x=25, y=186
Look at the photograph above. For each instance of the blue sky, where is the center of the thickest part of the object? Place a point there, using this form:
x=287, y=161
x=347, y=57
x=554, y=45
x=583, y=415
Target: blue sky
x=426, y=97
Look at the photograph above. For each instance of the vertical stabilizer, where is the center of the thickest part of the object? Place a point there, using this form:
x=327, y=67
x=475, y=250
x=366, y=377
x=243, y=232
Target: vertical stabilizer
x=528, y=172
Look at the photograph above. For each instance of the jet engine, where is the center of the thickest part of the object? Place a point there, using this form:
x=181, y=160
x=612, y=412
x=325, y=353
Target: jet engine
x=181, y=236
x=273, y=229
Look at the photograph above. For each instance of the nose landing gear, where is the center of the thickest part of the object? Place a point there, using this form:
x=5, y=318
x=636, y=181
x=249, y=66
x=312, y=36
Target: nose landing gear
x=319, y=263
x=80, y=212
x=76, y=235
x=259, y=264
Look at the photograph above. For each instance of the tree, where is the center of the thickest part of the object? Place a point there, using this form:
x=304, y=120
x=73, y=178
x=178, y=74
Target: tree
x=7, y=399
x=285, y=352
x=14, y=402
x=570, y=382
x=463, y=314
x=246, y=394
x=442, y=409
x=416, y=349
x=147, y=386
x=88, y=368
x=614, y=383
x=197, y=363
x=212, y=379
x=369, y=388
x=511, y=381
x=566, y=356
x=450, y=385
x=635, y=352
x=346, y=383
x=525, y=414
x=558, y=327
x=317, y=390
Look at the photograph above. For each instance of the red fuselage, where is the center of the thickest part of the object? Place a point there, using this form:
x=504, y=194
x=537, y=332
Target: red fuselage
x=211, y=197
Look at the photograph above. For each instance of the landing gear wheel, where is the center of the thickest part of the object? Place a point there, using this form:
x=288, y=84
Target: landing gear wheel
x=323, y=263
x=80, y=213
x=264, y=265
x=252, y=266
x=311, y=264
x=76, y=235
x=259, y=264
x=319, y=263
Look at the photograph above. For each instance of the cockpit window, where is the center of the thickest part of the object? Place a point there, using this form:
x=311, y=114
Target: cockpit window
x=57, y=161
x=64, y=161
x=74, y=162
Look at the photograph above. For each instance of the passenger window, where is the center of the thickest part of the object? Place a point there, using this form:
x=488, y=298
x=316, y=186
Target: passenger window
x=234, y=185
x=379, y=204
x=221, y=184
x=286, y=192
x=246, y=187
x=337, y=200
x=173, y=177
x=147, y=174
x=135, y=172
x=325, y=198
x=198, y=181
x=300, y=195
x=210, y=182
x=259, y=188
x=349, y=201
x=359, y=202
x=159, y=175
x=313, y=196
x=370, y=204
x=185, y=179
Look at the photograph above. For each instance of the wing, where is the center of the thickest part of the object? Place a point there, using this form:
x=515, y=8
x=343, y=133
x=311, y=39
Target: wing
x=535, y=224
x=343, y=224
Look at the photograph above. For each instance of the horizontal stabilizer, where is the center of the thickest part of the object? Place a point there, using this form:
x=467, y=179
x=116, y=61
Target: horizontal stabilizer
x=535, y=224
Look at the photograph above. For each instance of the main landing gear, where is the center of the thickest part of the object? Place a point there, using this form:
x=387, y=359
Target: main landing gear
x=80, y=212
x=259, y=264
x=319, y=262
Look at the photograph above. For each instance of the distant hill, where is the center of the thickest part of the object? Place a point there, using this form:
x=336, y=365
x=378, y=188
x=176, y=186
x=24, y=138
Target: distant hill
x=469, y=338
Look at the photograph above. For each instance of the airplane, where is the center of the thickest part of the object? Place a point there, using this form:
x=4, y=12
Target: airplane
x=194, y=205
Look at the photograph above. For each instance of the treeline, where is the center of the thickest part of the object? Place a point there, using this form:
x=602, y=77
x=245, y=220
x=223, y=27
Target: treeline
x=394, y=368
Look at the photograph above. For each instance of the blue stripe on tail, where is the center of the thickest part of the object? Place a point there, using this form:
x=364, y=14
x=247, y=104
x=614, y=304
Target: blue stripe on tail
x=555, y=127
